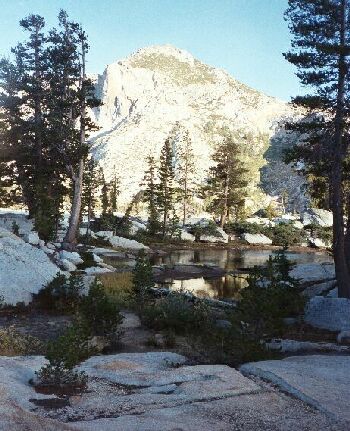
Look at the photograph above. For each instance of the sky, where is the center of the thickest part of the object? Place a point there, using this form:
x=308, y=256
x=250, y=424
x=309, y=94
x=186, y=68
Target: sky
x=244, y=37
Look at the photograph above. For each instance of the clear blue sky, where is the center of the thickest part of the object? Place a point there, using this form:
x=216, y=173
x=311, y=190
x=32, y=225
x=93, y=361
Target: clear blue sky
x=245, y=37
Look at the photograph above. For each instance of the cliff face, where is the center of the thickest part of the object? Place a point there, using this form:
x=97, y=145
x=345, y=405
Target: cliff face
x=145, y=95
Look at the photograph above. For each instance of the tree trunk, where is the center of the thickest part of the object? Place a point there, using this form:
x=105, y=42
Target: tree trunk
x=225, y=205
x=70, y=238
x=337, y=194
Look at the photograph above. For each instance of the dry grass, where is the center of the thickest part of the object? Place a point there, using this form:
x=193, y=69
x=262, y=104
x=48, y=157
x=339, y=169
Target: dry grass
x=118, y=285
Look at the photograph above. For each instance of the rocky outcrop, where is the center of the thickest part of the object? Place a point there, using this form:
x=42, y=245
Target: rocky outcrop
x=24, y=269
x=149, y=93
x=319, y=217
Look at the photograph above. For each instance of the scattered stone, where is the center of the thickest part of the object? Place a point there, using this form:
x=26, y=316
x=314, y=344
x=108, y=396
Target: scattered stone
x=256, y=239
x=105, y=234
x=72, y=256
x=296, y=346
x=31, y=238
x=97, y=258
x=120, y=242
x=186, y=236
x=318, y=243
x=67, y=265
x=95, y=270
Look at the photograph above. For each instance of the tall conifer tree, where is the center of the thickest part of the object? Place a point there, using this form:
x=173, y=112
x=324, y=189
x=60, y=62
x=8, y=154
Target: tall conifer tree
x=321, y=52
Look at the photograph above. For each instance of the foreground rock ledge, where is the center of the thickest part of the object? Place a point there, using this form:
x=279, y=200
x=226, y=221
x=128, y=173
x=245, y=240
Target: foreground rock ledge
x=319, y=380
x=158, y=391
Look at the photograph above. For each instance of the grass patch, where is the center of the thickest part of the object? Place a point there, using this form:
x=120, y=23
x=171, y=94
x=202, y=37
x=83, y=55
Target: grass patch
x=118, y=285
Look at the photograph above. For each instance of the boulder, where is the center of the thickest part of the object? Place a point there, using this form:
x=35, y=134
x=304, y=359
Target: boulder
x=67, y=265
x=105, y=234
x=32, y=238
x=260, y=220
x=332, y=314
x=97, y=258
x=24, y=269
x=344, y=337
x=318, y=243
x=256, y=239
x=318, y=216
x=319, y=288
x=72, y=256
x=186, y=236
x=120, y=242
x=313, y=272
x=94, y=270
x=136, y=226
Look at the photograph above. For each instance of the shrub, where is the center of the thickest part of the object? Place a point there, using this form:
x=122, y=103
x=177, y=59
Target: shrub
x=271, y=295
x=177, y=312
x=15, y=228
x=60, y=380
x=209, y=229
x=99, y=312
x=324, y=233
x=62, y=294
x=285, y=234
x=12, y=343
x=142, y=279
x=71, y=348
x=241, y=227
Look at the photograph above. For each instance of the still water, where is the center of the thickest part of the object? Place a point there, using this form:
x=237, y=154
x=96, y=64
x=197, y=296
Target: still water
x=228, y=286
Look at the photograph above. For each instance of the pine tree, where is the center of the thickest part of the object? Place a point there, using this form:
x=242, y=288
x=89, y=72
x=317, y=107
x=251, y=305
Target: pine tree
x=114, y=187
x=226, y=182
x=185, y=173
x=321, y=51
x=150, y=196
x=105, y=202
x=24, y=124
x=166, y=190
x=91, y=186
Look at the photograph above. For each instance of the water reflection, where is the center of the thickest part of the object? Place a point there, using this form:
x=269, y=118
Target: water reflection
x=234, y=259
x=229, y=286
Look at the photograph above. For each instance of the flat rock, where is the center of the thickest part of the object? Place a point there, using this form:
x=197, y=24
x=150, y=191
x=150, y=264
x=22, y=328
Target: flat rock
x=173, y=396
x=318, y=216
x=321, y=381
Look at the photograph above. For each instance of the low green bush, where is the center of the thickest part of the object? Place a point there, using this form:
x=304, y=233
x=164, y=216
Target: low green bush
x=285, y=234
x=99, y=312
x=241, y=227
x=271, y=296
x=13, y=343
x=324, y=233
x=62, y=294
x=60, y=380
x=177, y=312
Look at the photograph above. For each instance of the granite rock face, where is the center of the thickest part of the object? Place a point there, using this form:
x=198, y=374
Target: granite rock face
x=158, y=88
x=24, y=269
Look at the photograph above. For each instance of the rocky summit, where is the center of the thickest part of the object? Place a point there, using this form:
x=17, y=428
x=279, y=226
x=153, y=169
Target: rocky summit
x=160, y=89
